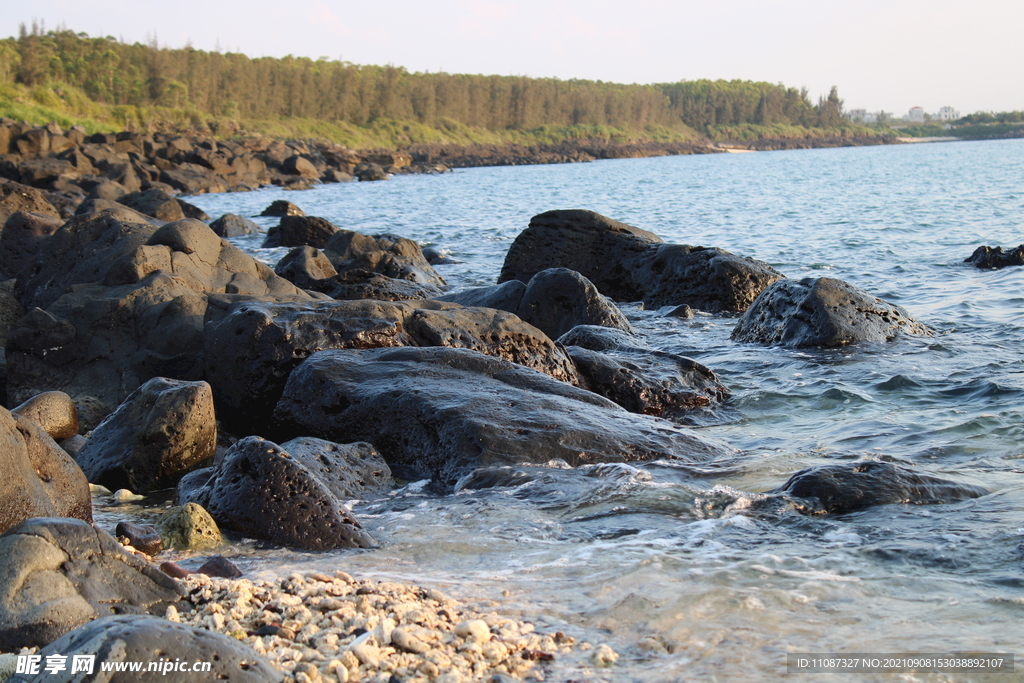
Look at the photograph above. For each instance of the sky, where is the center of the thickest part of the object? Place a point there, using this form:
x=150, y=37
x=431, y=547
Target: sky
x=881, y=54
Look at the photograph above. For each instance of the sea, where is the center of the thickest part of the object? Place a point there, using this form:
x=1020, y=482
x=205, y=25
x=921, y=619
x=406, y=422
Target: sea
x=664, y=563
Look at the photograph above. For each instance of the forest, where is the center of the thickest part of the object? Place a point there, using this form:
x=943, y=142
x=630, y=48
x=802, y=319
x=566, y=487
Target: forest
x=152, y=86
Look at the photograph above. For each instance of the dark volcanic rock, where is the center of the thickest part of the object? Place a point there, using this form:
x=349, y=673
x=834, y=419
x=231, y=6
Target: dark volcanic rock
x=362, y=284
x=641, y=379
x=282, y=208
x=630, y=264
x=39, y=478
x=252, y=346
x=231, y=225
x=260, y=491
x=18, y=197
x=821, y=312
x=164, y=428
x=129, y=639
x=441, y=412
x=307, y=267
x=504, y=297
x=394, y=257
x=144, y=537
x=57, y=574
x=297, y=231
x=23, y=235
x=353, y=470
x=995, y=257
x=853, y=486
x=54, y=411
x=120, y=301
x=154, y=202
x=557, y=300
x=368, y=171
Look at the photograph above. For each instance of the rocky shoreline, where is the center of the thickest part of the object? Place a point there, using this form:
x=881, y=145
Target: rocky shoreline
x=144, y=352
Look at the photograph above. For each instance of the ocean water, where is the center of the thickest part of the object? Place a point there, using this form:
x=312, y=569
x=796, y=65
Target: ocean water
x=623, y=554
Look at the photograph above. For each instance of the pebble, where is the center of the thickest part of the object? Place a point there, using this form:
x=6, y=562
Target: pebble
x=316, y=628
x=604, y=656
x=125, y=496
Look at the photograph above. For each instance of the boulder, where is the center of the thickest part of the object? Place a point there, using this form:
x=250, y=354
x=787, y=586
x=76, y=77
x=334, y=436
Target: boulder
x=41, y=172
x=368, y=171
x=504, y=297
x=837, y=489
x=57, y=574
x=164, y=428
x=192, y=179
x=630, y=264
x=39, y=478
x=54, y=411
x=110, y=190
x=191, y=210
x=300, y=166
x=394, y=257
x=231, y=225
x=154, y=202
x=260, y=491
x=17, y=197
x=441, y=412
x=123, y=640
x=623, y=369
x=114, y=301
x=350, y=471
x=23, y=235
x=91, y=412
x=362, y=284
x=558, y=299
x=297, y=231
x=995, y=257
x=280, y=207
x=143, y=537
x=250, y=347
x=189, y=527
x=822, y=312
x=308, y=268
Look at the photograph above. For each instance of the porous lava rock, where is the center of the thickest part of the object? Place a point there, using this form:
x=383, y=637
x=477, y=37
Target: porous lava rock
x=353, y=470
x=992, y=257
x=822, y=312
x=440, y=412
x=630, y=264
x=54, y=411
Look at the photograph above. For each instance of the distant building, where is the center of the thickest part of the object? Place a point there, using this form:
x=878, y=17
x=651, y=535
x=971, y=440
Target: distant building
x=916, y=115
x=858, y=115
x=947, y=114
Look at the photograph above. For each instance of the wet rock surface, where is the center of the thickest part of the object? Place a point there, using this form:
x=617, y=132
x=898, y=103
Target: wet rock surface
x=57, y=574
x=297, y=231
x=623, y=369
x=822, y=312
x=160, y=431
x=147, y=639
x=246, y=490
x=990, y=257
x=440, y=412
x=630, y=264
x=252, y=346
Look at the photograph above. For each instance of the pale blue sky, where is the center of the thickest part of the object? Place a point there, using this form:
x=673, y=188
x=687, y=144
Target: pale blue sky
x=882, y=54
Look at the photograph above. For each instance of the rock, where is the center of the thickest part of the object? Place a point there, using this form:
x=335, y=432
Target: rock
x=361, y=284
x=164, y=428
x=232, y=225
x=252, y=346
x=260, y=491
x=17, y=197
x=821, y=312
x=504, y=297
x=297, y=231
x=441, y=412
x=221, y=567
x=366, y=171
x=73, y=445
x=300, y=166
x=623, y=369
x=191, y=179
x=191, y=210
x=174, y=648
x=557, y=300
x=108, y=189
x=39, y=479
x=630, y=264
x=189, y=527
x=280, y=207
x=144, y=537
x=992, y=257
x=57, y=574
x=123, y=496
x=54, y=411
x=394, y=257
x=307, y=267
x=155, y=203
x=23, y=235
x=350, y=471
x=41, y=172
x=122, y=301
x=837, y=489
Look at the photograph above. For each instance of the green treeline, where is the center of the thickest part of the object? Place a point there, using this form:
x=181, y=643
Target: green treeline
x=241, y=88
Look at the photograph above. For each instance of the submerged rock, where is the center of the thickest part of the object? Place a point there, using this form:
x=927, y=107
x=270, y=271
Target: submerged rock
x=994, y=257
x=57, y=574
x=822, y=312
x=128, y=639
x=848, y=487
x=630, y=264
x=440, y=412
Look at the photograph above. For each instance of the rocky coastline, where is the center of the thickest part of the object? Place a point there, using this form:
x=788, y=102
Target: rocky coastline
x=143, y=352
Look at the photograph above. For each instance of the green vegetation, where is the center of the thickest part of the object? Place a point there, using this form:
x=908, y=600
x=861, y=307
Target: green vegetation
x=105, y=85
